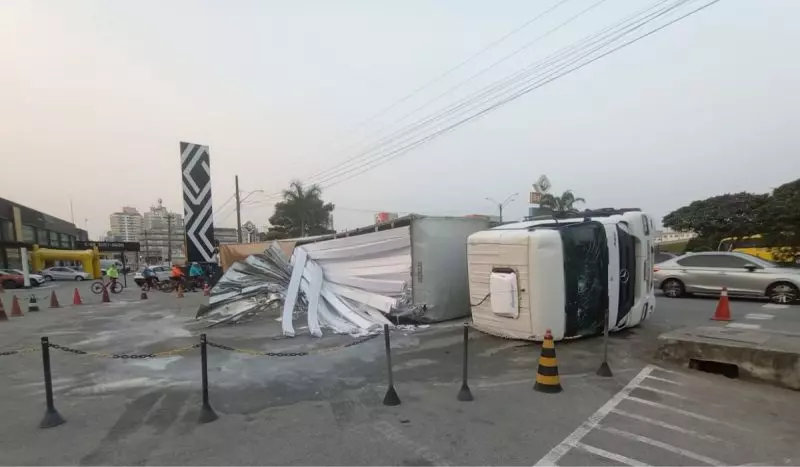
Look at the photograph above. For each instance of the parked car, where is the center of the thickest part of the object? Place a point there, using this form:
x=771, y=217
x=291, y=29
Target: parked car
x=162, y=274
x=64, y=273
x=744, y=276
x=661, y=256
x=36, y=279
x=11, y=281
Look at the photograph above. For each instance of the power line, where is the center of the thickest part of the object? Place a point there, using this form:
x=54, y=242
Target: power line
x=403, y=150
x=342, y=169
x=465, y=81
x=519, y=78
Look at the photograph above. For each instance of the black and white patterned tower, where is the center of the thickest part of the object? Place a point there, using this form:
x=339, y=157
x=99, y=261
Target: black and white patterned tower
x=198, y=214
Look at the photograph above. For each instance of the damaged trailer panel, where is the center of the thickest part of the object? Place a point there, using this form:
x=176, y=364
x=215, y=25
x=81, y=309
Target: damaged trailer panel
x=356, y=283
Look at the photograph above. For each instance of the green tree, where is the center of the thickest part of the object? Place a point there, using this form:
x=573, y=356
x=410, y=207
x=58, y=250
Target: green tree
x=302, y=212
x=781, y=221
x=712, y=219
x=564, y=204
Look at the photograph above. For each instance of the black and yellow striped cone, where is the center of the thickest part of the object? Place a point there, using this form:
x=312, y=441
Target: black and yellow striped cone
x=547, y=374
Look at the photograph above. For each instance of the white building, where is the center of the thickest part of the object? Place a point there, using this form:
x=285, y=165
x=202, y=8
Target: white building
x=671, y=236
x=162, y=237
x=126, y=225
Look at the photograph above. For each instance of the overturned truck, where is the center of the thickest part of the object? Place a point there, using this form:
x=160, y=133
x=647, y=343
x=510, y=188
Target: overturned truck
x=413, y=268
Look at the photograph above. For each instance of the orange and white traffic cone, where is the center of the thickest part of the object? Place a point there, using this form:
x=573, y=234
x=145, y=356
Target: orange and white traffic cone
x=106, y=298
x=16, y=310
x=76, y=297
x=723, y=312
x=206, y=290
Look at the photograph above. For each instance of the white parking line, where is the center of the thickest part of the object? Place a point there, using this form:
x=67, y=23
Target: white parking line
x=664, y=380
x=775, y=306
x=743, y=326
x=659, y=444
x=563, y=447
x=758, y=316
x=609, y=455
x=661, y=391
x=679, y=411
x=667, y=426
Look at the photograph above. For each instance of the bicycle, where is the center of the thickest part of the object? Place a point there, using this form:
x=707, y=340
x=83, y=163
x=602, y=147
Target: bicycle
x=114, y=286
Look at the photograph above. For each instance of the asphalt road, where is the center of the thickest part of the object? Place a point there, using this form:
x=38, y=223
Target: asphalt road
x=327, y=409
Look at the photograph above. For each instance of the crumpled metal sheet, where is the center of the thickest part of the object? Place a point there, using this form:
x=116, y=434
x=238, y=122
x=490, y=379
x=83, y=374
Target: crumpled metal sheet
x=250, y=286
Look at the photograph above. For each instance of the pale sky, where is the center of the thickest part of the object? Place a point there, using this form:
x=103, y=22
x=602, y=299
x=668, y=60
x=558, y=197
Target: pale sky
x=96, y=95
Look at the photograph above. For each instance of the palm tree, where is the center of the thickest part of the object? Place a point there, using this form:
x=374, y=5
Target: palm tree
x=563, y=204
x=302, y=212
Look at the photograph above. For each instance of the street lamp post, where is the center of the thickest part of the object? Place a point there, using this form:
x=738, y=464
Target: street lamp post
x=503, y=204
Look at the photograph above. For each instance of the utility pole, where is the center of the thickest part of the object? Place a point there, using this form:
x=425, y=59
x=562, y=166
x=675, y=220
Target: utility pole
x=145, y=246
x=505, y=202
x=238, y=213
x=169, y=238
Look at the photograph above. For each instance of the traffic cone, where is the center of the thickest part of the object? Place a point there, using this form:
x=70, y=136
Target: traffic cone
x=54, y=300
x=76, y=297
x=16, y=310
x=32, y=305
x=547, y=374
x=3, y=315
x=723, y=312
x=143, y=296
x=106, y=298
x=206, y=290
x=180, y=290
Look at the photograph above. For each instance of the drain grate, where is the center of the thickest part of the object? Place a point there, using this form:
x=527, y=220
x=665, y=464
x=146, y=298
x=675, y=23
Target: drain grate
x=729, y=370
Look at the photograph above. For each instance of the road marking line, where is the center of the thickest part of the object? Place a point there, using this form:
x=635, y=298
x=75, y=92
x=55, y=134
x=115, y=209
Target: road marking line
x=775, y=306
x=608, y=454
x=659, y=444
x=564, y=446
x=668, y=426
x=664, y=380
x=743, y=326
x=758, y=316
x=661, y=391
x=665, y=370
x=682, y=412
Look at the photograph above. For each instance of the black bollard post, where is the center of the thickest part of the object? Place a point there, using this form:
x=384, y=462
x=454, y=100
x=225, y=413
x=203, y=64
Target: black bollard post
x=207, y=413
x=51, y=416
x=391, y=397
x=604, y=369
x=465, y=395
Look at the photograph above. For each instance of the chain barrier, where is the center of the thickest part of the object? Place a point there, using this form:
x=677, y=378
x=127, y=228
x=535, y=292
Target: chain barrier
x=180, y=350
x=164, y=353
x=259, y=353
x=19, y=351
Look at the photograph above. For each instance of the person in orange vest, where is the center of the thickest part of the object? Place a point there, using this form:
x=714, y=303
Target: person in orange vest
x=176, y=275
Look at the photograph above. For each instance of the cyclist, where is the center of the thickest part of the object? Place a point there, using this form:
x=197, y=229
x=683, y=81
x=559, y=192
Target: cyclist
x=149, y=278
x=113, y=274
x=196, y=273
x=176, y=275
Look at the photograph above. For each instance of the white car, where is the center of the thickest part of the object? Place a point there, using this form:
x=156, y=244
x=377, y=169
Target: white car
x=64, y=273
x=36, y=279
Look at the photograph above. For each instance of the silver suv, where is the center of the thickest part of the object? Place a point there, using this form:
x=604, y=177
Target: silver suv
x=744, y=276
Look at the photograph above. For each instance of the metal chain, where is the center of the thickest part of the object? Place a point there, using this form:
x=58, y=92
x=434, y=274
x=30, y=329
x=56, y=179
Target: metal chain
x=259, y=353
x=165, y=353
x=19, y=352
x=180, y=350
